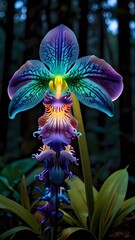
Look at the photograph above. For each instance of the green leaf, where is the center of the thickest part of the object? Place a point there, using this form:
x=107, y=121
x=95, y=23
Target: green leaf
x=109, y=201
x=127, y=207
x=76, y=234
x=95, y=194
x=16, y=196
x=4, y=183
x=77, y=191
x=81, y=187
x=13, y=231
x=69, y=219
x=21, y=212
x=15, y=170
x=78, y=200
x=25, y=202
x=85, y=159
x=6, y=188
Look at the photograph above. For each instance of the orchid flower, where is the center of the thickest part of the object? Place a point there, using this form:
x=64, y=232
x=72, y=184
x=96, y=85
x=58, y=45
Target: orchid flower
x=56, y=166
x=94, y=82
x=57, y=127
x=48, y=210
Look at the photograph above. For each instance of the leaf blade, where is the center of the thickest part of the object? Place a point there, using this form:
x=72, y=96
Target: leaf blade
x=85, y=160
x=127, y=207
x=20, y=211
x=25, y=201
x=78, y=192
x=16, y=169
x=76, y=233
x=78, y=200
x=109, y=202
x=14, y=230
x=70, y=220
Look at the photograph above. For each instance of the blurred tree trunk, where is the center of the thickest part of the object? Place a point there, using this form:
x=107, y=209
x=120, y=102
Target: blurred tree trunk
x=65, y=14
x=101, y=116
x=83, y=27
x=33, y=36
x=126, y=125
x=6, y=75
x=33, y=29
x=48, y=15
x=101, y=30
x=83, y=37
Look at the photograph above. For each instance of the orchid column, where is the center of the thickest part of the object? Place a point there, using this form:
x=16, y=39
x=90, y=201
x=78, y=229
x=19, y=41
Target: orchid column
x=94, y=82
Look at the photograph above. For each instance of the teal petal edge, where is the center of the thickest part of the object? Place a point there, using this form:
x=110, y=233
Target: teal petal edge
x=26, y=97
x=97, y=71
x=92, y=95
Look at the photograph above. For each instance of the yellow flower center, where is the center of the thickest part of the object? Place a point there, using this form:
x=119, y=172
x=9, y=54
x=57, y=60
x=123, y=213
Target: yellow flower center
x=58, y=86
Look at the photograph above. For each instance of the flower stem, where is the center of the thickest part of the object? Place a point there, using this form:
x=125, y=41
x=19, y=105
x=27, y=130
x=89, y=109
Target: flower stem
x=86, y=168
x=55, y=220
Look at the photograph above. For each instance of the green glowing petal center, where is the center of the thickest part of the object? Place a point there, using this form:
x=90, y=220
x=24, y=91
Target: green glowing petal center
x=58, y=86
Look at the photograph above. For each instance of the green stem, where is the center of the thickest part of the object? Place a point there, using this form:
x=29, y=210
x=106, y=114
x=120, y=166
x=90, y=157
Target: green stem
x=86, y=168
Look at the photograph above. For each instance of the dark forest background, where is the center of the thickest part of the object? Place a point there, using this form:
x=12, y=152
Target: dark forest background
x=103, y=28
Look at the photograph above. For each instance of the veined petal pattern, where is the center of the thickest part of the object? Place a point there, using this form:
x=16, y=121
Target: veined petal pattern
x=26, y=97
x=32, y=70
x=59, y=49
x=98, y=71
x=92, y=95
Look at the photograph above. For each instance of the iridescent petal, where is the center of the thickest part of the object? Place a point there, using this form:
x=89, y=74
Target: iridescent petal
x=59, y=49
x=45, y=210
x=92, y=95
x=58, y=134
x=32, y=70
x=58, y=130
x=98, y=71
x=26, y=97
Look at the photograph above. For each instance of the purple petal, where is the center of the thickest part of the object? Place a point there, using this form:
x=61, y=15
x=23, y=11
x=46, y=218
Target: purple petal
x=92, y=95
x=26, y=97
x=45, y=209
x=56, y=138
x=44, y=154
x=58, y=129
x=32, y=70
x=98, y=71
x=59, y=49
x=69, y=157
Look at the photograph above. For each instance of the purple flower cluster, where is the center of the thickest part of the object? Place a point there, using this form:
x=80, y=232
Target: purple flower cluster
x=94, y=82
x=57, y=128
x=48, y=210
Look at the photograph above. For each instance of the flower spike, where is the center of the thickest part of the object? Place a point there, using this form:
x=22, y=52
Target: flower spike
x=95, y=83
